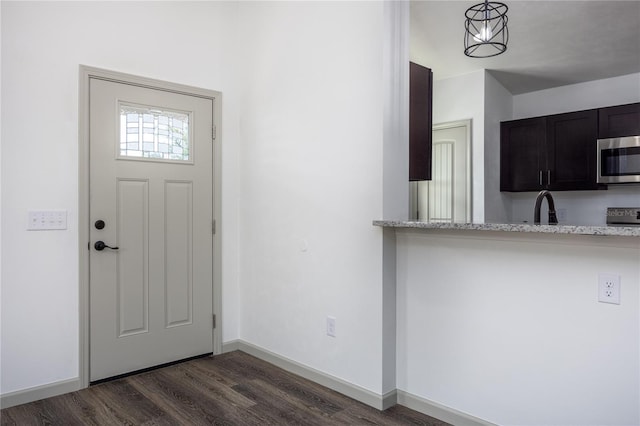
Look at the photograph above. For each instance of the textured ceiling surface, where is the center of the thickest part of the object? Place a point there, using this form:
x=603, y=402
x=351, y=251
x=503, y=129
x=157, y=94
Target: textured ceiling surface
x=551, y=43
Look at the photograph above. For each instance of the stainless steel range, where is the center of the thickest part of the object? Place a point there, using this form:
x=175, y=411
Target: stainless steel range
x=623, y=216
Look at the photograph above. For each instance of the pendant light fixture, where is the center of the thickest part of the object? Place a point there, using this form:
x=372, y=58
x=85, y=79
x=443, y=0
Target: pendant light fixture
x=486, y=33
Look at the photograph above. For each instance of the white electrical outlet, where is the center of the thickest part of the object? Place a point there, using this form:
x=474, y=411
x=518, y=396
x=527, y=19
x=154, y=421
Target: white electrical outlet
x=609, y=288
x=331, y=326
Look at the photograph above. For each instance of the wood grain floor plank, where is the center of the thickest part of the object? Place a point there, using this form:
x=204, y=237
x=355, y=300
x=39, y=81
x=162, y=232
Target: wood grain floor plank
x=281, y=406
x=220, y=391
x=359, y=414
x=205, y=368
x=407, y=416
x=194, y=405
x=176, y=401
x=77, y=408
x=323, y=398
x=35, y=413
x=229, y=389
x=122, y=403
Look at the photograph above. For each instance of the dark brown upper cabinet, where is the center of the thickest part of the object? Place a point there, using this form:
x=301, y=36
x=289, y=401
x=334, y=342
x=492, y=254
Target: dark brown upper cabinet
x=571, y=151
x=618, y=121
x=420, y=122
x=556, y=152
x=522, y=154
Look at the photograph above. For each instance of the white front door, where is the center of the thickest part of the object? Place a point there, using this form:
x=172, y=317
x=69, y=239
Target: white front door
x=151, y=205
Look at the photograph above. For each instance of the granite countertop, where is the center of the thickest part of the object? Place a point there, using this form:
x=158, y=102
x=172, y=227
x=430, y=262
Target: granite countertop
x=625, y=231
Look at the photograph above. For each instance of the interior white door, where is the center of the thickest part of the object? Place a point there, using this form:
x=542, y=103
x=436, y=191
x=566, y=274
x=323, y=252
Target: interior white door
x=151, y=204
x=447, y=197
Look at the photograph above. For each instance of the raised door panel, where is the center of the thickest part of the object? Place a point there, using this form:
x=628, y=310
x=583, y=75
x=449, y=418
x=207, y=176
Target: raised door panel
x=132, y=278
x=522, y=154
x=618, y=121
x=178, y=249
x=571, y=151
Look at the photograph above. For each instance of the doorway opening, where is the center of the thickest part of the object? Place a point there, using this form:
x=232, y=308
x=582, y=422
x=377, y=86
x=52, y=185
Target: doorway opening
x=447, y=197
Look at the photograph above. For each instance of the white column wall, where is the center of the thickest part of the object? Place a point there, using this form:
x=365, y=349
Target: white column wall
x=312, y=179
x=395, y=76
x=507, y=328
x=498, y=106
x=43, y=44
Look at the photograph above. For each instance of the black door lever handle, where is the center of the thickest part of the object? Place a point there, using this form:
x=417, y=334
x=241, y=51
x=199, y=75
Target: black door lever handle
x=100, y=245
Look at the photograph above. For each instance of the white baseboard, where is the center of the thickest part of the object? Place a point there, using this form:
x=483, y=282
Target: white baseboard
x=439, y=411
x=24, y=396
x=230, y=346
x=380, y=402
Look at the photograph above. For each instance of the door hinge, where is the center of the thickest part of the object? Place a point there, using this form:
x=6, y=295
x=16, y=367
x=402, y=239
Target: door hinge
x=213, y=226
x=214, y=320
x=213, y=133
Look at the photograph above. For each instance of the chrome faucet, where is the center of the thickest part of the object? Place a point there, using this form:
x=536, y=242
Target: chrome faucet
x=553, y=220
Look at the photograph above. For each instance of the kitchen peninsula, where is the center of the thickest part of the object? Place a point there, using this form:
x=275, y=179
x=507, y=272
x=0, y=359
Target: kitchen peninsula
x=626, y=231
x=510, y=314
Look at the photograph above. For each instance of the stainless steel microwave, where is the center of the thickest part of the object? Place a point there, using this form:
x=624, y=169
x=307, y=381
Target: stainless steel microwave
x=619, y=160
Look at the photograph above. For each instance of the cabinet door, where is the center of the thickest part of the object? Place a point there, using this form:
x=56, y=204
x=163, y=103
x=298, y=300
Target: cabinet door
x=618, y=121
x=522, y=154
x=571, y=151
x=420, y=125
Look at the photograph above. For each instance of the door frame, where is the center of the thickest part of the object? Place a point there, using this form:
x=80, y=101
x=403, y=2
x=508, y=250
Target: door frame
x=413, y=203
x=467, y=125
x=86, y=73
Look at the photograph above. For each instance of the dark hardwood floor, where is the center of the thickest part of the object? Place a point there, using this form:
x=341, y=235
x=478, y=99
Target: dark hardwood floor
x=229, y=389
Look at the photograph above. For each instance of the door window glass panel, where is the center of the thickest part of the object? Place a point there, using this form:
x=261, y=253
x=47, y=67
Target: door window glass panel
x=147, y=133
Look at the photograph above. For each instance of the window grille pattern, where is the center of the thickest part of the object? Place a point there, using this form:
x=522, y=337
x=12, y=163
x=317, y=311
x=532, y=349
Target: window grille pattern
x=149, y=133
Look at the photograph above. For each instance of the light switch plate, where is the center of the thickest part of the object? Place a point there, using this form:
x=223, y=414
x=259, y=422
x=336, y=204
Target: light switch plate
x=331, y=326
x=41, y=220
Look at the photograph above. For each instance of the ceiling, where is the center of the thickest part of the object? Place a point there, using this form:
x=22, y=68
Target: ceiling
x=551, y=43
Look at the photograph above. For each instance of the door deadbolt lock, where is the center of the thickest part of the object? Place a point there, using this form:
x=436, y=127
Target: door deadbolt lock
x=99, y=224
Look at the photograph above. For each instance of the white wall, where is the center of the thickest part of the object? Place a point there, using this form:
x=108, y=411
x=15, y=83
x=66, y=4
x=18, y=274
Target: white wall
x=43, y=45
x=395, y=76
x=1, y=180
x=507, y=327
x=580, y=207
x=312, y=179
x=575, y=97
x=462, y=98
x=498, y=106
x=302, y=171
